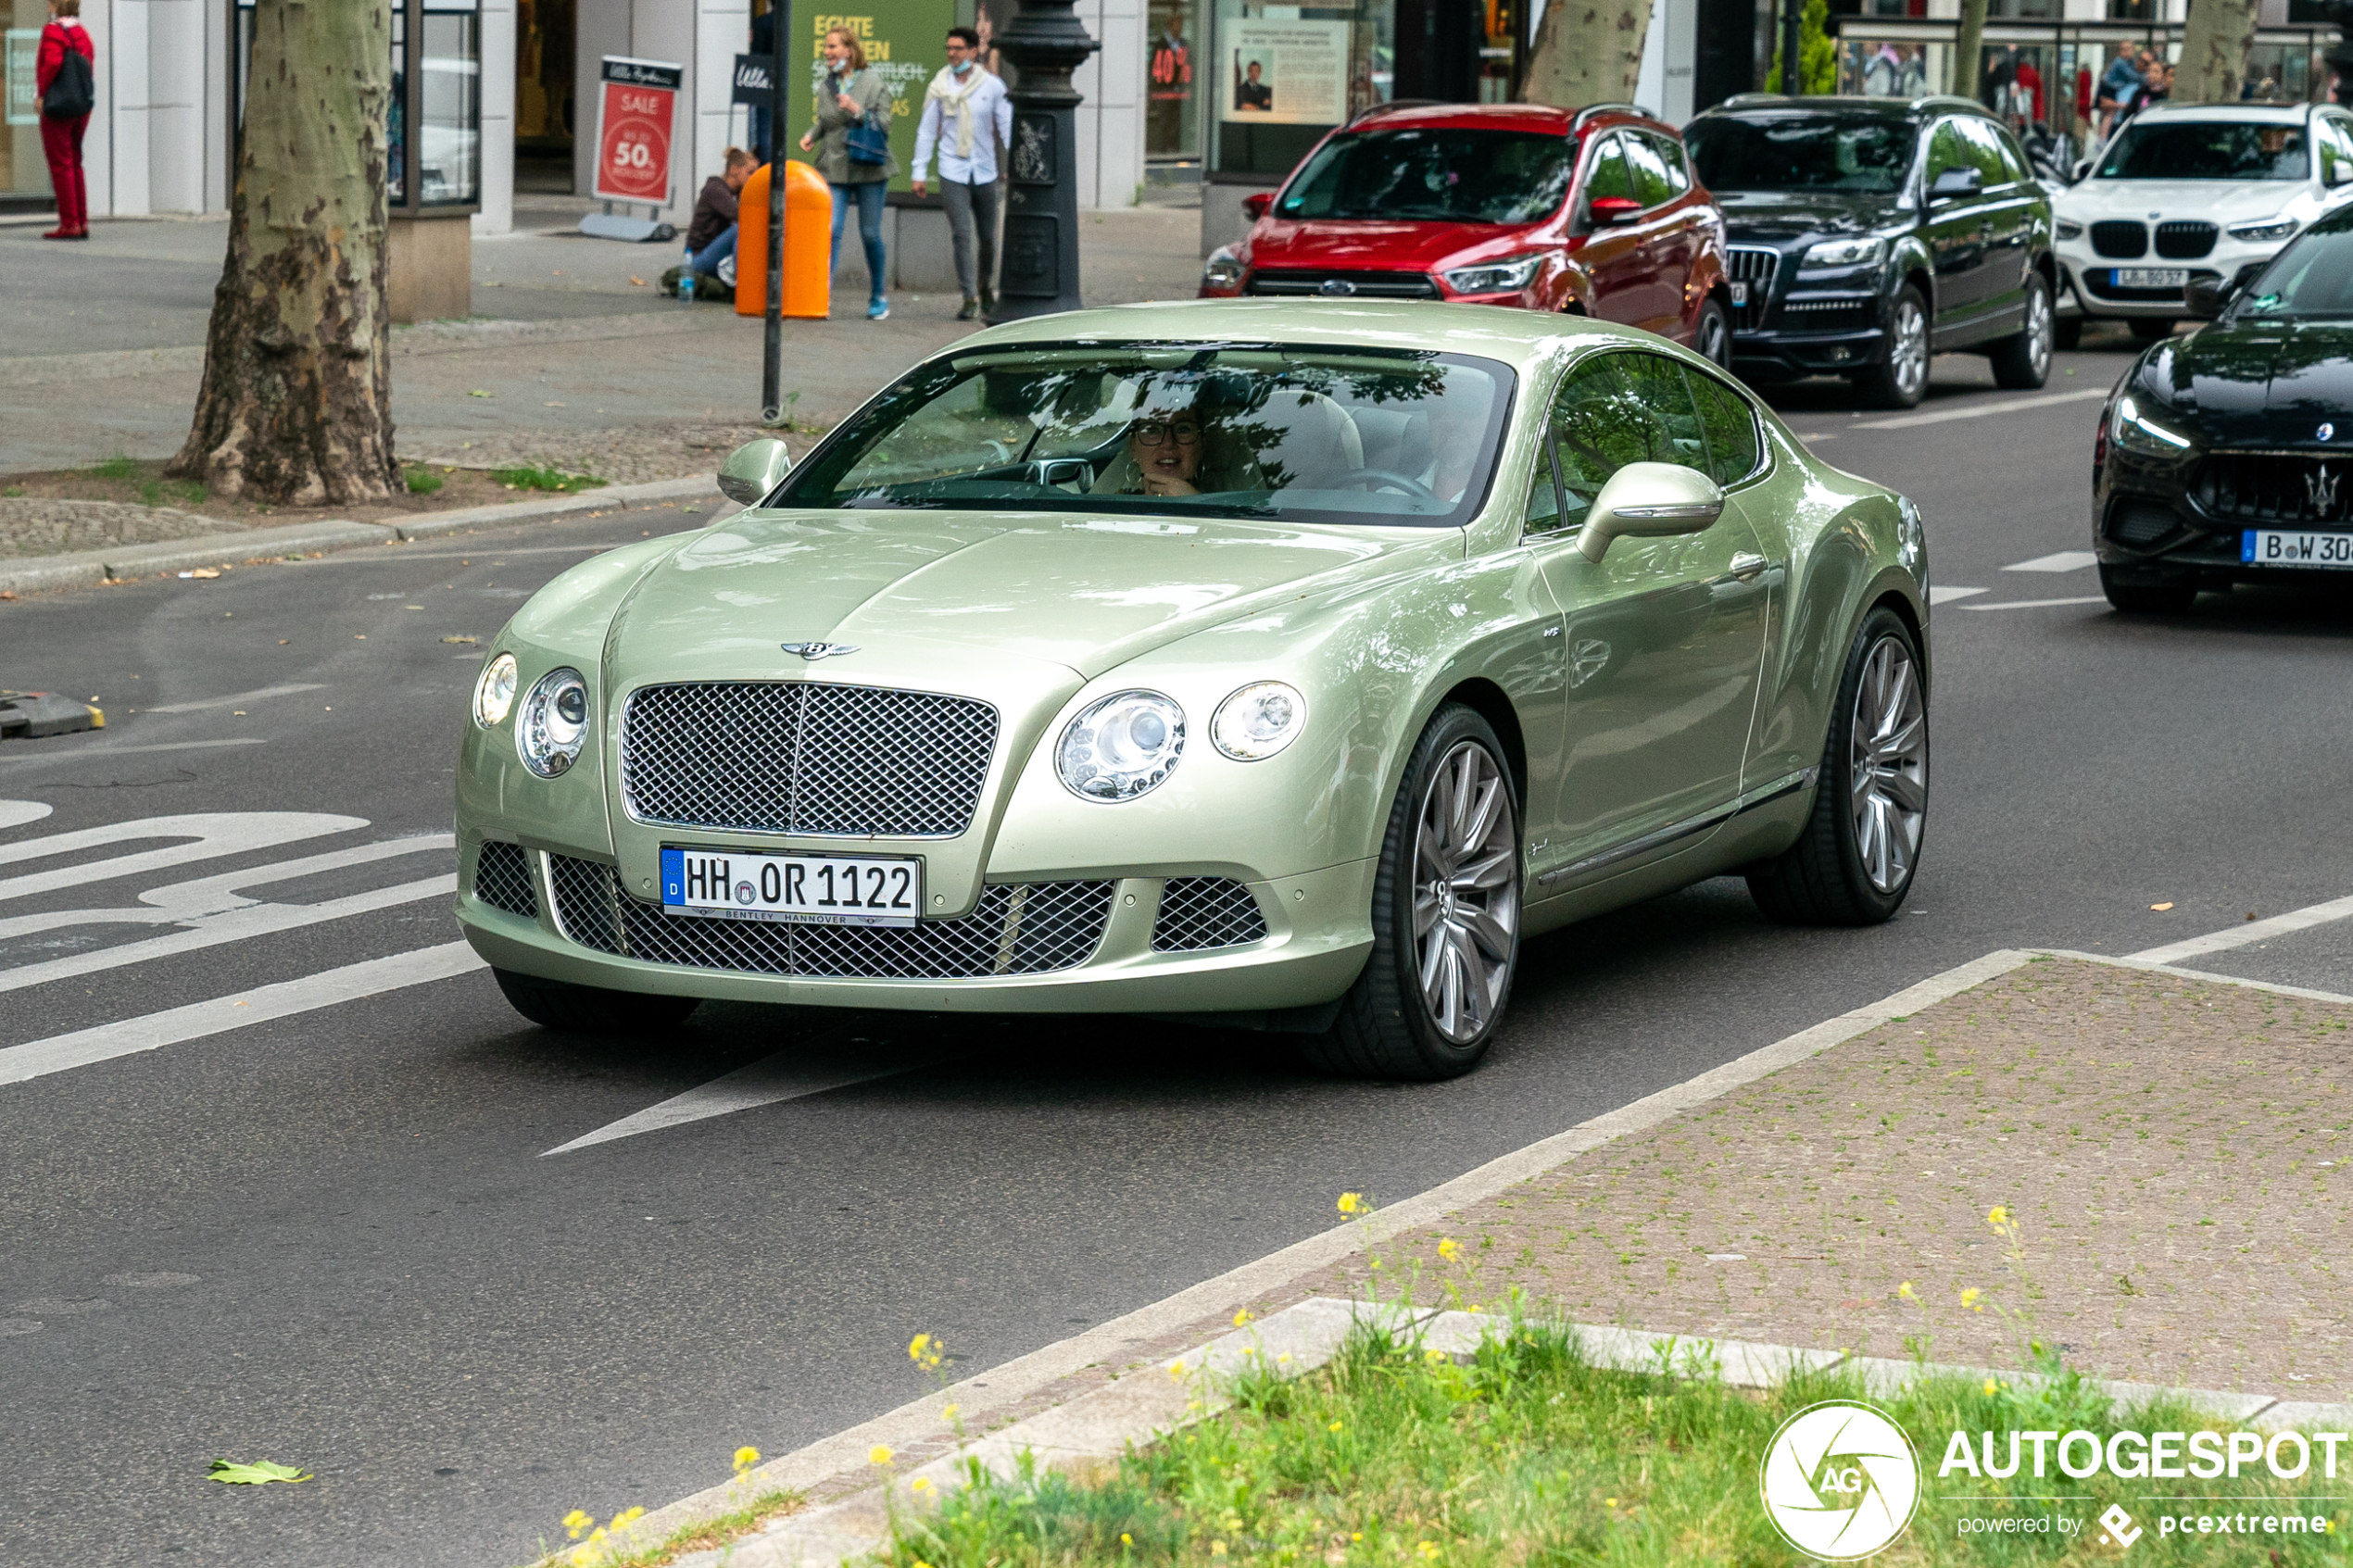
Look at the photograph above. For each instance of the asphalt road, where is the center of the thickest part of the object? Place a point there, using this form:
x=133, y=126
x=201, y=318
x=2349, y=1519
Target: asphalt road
x=334, y=1238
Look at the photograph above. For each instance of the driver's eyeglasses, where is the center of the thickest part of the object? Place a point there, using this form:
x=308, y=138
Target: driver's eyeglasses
x=1151, y=432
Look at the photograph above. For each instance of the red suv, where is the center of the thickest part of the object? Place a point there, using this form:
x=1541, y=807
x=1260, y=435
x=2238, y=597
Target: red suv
x=1594, y=211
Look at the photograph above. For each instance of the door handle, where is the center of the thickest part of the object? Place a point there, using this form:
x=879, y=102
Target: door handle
x=1747, y=567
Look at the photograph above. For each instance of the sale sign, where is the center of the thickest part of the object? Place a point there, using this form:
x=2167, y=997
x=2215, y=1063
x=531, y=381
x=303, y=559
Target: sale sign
x=636, y=116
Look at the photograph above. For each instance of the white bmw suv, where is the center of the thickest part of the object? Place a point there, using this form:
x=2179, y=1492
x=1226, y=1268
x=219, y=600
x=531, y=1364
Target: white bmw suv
x=2190, y=191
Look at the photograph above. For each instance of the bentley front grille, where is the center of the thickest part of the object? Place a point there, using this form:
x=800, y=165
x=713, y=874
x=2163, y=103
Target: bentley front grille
x=1018, y=928
x=502, y=879
x=1198, y=912
x=805, y=757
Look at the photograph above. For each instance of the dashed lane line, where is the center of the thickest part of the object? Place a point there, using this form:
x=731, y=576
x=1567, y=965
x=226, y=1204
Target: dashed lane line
x=286, y=998
x=1978, y=410
x=2251, y=931
x=200, y=703
x=810, y=1067
x=2063, y=560
x=1946, y=596
x=102, y=752
x=2040, y=603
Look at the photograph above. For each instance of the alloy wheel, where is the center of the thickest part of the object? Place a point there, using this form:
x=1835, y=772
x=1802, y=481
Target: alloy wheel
x=1466, y=880
x=2039, y=332
x=1909, y=355
x=1715, y=339
x=1888, y=773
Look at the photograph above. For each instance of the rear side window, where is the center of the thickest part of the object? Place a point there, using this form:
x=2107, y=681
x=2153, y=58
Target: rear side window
x=1678, y=174
x=1983, y=144
x=1652, y=185
x=1946, y=150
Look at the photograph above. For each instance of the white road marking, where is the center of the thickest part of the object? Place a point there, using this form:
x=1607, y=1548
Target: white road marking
x=62, y=1053
x=79, y=752
x=2065, y=561
x=236, y=697
x=214, y=833
x=2004, y=406
x=807, y=1069
x=2250, y=930
x=2039, y=603
x=15, y=813
x=1946, y=596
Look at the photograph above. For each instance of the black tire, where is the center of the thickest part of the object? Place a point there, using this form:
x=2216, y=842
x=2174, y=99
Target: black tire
x=2067, y=333
x=588, y=1010
x=1712, y=334
x=2149, y=331
x=1386, y=1029
x=1900, y=381
x=1824, y=878
x=2022, y=360
x=2147, y=598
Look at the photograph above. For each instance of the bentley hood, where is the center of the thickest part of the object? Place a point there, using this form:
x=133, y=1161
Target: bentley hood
x=2258, y=384
x=960, y=591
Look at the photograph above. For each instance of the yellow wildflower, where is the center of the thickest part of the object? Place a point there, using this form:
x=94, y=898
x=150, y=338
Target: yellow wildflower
x=916, y=1347
x=949, y=1412
x=878, y=1454
x=1905, y=1290
x=1126, y=1539
x=1335, y=1426
x=1175, y=1372
x=1218, y=1548
x=1433, y=1357
x=1245, y=1315
x=1427, y=1550
x=1449, y=1247
x=920, y=1485
x=1350, y=1202
x=1283, y=1358
x=1992, y=1387
x=746, y=1458
x=1969, y=1299
x=1997, y=1216
x=576, y=1522
x=627, y=1517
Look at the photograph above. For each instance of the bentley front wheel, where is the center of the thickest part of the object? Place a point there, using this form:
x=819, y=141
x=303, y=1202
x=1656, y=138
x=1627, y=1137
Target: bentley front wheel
x=1446, y=904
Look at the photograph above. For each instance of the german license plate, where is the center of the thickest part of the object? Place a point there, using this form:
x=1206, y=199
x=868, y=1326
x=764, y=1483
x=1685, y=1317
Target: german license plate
x=2151, y=276
x=2276, y=547
x=1739, y=294
x=811, y=890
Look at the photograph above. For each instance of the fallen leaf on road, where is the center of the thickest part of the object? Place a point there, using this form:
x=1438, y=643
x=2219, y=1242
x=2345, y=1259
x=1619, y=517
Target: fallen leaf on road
x=6, y=594
x=201, y=571
x=283, y=641
x=255, y=1475
x=468, y=640
x=2160, y=908
x=477, y=394
x=640, y=281
x=554, y=405
x=362, y=637
x=413, y=607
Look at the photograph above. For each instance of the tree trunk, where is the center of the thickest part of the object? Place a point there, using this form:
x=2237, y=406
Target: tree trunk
x=296, y=401
x=2214, y=45
x=1967, y=46
x=1586, y=51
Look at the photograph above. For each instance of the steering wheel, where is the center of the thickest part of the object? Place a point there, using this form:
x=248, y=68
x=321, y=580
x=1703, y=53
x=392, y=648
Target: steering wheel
x=1414, y=489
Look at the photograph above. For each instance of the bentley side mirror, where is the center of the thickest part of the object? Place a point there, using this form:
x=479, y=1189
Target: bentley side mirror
x=1607, y=210
x=1649, y=501
x=753, y=470
x=1254, y=205
x=2205, y=297
x=1955, y=185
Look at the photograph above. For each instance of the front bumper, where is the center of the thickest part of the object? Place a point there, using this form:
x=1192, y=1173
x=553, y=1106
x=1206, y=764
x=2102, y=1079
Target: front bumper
x=2151, y=527
x=1318, y=936
x=1786, y=356
x=2087, y=290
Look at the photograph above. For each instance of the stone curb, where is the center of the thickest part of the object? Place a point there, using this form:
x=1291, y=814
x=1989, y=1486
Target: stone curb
x=88, y=568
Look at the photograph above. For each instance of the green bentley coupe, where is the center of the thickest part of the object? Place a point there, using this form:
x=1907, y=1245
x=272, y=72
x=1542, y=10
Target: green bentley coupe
x=1277, y=665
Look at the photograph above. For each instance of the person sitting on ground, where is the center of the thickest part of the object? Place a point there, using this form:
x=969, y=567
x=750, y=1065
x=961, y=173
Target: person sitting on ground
x=712, y=235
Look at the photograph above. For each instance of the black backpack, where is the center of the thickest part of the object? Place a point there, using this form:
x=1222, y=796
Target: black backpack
x=72, y=91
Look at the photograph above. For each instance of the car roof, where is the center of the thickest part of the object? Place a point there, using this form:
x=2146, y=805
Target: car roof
x=2262, y=114
x=1542, y=118
x=1747, y=103
x=1523, y=339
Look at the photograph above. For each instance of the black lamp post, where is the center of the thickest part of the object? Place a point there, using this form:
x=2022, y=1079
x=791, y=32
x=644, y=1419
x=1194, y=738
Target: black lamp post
x=1040, y=272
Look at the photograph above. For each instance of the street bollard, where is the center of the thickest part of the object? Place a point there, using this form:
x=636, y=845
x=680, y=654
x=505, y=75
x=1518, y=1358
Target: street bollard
x=809, y=230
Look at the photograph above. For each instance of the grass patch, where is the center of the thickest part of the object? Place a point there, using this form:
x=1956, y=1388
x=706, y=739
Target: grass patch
x=118, y=467
x=1527, y=1454
x=709, y=1535
x=421, y=481
x=545, y=479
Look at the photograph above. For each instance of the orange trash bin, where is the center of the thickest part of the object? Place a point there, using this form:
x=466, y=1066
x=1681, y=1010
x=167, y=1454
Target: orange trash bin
x=808, y=232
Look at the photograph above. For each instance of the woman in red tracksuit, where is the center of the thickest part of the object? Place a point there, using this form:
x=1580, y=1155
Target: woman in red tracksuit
x=62, y=139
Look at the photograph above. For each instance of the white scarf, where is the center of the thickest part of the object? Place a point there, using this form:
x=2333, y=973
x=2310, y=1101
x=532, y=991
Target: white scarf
x=955, y=96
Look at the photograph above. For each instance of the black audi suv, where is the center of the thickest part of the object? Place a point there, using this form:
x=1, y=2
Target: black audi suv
x=2226, y=454
x=1864, y=235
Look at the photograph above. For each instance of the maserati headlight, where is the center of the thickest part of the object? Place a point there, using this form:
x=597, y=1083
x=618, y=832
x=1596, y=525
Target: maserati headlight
x=2069, y=229
x=494, y=692
x=553, y=723
x=1844, y=253
x=1223, y=270
x=1258, y=721
x=1122, y=746
x=2264, y=232
x=1512, y=273
x=2133, y=429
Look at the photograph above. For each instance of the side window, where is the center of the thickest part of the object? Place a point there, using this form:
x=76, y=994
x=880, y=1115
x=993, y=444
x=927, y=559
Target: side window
x=1678, y=174
x=1651, y=187
x=2336, y=148
x=1946, y=150
x=1608, y=176
x=1543, y=514
x=1985, y=149
x=1615, y=410
x=2013, y=160
x=1729, y=425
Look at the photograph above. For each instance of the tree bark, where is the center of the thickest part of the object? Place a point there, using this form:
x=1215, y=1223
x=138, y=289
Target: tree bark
x=1586, y=51
x=1967, y=46
x=296, y=405
x=2215, y=40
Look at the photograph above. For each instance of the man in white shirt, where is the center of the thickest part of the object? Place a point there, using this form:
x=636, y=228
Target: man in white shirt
x=966, y=116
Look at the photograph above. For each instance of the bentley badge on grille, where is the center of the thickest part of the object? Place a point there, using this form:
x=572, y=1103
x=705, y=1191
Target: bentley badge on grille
x=819, y=650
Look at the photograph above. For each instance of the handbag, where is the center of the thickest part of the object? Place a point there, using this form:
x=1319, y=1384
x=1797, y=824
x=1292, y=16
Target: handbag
x=72, y=91
x=868, y=144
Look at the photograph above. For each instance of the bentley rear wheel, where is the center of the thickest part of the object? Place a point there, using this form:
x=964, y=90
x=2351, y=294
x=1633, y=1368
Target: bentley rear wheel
x=589, y=1009
x=1445, y=915
x=1855, y=861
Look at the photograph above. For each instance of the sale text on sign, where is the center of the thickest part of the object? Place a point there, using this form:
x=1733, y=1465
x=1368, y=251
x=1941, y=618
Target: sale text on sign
x=637, y=117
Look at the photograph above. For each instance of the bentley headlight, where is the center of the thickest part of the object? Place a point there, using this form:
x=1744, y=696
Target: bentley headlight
x=1844, y=253
x=2135, y=431
x=1223, y=270
x=494, y=692
x=553, y=723
x=2264, y=232
x=1512, y=273
x=1122, y=746
x=1258, y=721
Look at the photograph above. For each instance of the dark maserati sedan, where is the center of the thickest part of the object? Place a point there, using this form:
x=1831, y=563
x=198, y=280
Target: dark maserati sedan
x=2226, y=456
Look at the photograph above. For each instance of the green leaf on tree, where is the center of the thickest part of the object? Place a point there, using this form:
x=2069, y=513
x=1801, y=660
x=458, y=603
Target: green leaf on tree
x=257, y=1473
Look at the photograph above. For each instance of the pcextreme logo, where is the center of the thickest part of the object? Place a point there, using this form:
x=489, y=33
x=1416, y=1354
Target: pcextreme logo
x=1840, y=1480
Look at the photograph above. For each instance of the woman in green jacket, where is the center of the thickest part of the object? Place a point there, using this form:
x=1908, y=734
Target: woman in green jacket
x=853, y=96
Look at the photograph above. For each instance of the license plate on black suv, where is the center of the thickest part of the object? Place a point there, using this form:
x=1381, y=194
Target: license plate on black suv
x=812, y=889
x=2283, y=547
